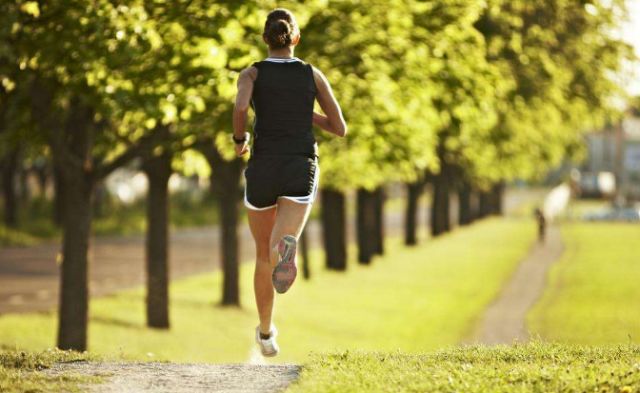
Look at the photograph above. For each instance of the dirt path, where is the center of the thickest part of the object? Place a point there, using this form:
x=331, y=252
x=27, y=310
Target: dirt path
x=181, y=378
x=504, y=320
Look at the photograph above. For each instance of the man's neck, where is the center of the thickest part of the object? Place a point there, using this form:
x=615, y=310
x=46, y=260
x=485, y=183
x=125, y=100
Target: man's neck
x=286, y=53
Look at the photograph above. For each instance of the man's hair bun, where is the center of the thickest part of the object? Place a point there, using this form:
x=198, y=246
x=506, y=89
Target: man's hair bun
x=280, y=28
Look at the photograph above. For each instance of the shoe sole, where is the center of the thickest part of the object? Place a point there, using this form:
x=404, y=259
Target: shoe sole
x=285, y=271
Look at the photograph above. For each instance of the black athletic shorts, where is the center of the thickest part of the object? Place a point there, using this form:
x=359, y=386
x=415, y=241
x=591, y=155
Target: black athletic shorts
x=267, y=178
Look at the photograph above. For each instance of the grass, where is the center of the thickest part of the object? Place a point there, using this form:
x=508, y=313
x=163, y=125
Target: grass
x=11, y=237
x=534, y=367
x=23, y=371
x=414, y=299
x=593, y=292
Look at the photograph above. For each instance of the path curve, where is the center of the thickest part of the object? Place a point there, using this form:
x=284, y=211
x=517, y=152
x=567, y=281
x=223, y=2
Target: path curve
x=148, y=377
x=504, y=320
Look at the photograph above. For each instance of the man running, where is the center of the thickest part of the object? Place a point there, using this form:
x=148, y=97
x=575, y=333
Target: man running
x=283, y=172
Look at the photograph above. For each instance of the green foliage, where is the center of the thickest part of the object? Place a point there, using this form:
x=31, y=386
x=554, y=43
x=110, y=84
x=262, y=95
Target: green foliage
x=499, y=89
x=533, y=367
x=414, y=299
x=592, y=295
x=560, y=59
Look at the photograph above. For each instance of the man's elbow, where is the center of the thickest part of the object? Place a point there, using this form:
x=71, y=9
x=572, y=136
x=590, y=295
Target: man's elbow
x=241, y=109
x=341, y=130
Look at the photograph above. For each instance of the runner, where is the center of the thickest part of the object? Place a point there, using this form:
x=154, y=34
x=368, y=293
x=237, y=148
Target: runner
x=282, y=173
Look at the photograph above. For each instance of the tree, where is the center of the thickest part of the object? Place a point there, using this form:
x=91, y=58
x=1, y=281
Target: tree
x=73, y=103
x=377, y=79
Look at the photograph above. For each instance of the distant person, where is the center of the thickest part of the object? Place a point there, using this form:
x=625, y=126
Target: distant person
x=542, y=224
x=282, y=173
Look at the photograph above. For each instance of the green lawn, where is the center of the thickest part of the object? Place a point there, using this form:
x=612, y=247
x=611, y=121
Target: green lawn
x=532, y=367
x=413, y=299
x=593, y=295
x=21, y=371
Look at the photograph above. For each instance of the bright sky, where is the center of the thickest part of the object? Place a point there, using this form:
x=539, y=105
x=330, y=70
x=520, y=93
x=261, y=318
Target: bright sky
x=631, y=33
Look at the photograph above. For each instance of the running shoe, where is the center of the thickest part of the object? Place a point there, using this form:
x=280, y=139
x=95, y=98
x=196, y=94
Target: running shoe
x=285, y=271
x=268, y=347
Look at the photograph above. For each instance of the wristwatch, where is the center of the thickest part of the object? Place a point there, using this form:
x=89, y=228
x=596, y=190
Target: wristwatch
x=238, y=141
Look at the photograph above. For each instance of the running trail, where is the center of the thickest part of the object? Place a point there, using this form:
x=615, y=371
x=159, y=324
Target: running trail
x=504, y=320
x=148, y=377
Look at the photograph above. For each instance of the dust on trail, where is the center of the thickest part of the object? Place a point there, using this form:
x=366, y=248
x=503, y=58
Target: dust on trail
x=504, y=320
x=157, y=377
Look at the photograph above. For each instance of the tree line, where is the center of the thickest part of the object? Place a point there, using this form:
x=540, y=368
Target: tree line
x=460, y=95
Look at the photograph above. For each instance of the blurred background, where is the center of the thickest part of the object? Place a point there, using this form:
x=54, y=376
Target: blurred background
x=488, y=189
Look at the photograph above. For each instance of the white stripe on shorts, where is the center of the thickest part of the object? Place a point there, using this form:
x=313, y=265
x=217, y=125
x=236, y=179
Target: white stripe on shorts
x=307, y=199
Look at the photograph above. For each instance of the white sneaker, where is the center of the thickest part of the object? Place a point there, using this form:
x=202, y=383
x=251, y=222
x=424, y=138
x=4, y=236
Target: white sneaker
x=268, y=347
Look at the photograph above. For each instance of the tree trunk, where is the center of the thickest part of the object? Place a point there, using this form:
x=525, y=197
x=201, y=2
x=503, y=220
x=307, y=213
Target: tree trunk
x=464, y=203
x=158, y=171
x=414, y=190
x=440, y=215
x=74, y=289
x=365, y=225
x=71, y=151
x=58, y=196
x=42, y=174
x=304, y=252
x=378, y=206
x=497, y=194
x=99, y=200
x=225, y=179
x=9, y=168
x=484, y=204
x=334, y=229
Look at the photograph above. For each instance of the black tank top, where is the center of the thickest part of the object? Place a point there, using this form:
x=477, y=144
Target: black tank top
x=283, y=96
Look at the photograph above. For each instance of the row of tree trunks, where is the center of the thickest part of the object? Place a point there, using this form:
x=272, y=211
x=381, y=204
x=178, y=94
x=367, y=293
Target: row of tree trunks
x=491, y=201
x=9, y=169
x=158, y=171
x=334, y=222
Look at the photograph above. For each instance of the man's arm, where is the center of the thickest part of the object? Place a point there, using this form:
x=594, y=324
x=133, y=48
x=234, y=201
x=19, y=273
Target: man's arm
x=332, y=120
x=241, y=108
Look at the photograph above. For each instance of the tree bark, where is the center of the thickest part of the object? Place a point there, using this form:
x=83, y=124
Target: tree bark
x=378, y=205
x=334, y=229
x=158, y=171
x=414, y=190
x=465, y=216
x=9, y=169
x=71, y=151
x=484, y=204
x=365, y=225
x=58, y=197
x=497, y=196
x=304, y=252
x=440, y=209
x=225, y=178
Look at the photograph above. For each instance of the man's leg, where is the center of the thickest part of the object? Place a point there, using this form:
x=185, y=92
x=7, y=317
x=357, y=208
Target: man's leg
x=261, y=223
x=290, y=220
